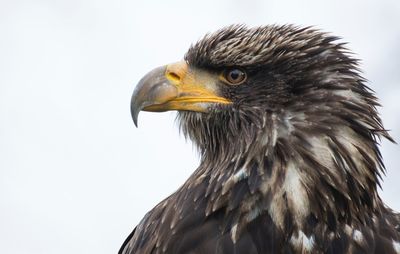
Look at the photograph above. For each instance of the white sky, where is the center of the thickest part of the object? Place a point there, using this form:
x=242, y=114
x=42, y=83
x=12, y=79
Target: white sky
x=75, y=175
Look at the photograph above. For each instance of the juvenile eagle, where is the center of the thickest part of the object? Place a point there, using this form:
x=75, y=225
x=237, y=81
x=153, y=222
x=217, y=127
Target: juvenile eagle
x=288, y=134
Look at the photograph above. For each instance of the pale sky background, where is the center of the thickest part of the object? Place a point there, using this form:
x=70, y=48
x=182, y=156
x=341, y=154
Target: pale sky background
x=75, y=175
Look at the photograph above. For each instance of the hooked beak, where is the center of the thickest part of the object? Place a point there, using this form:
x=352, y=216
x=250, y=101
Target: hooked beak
x=176, y=87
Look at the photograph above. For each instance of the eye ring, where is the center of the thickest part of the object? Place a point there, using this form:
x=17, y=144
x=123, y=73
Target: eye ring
x=234, y=76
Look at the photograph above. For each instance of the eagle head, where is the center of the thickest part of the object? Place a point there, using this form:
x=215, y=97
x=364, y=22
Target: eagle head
x=277, y=83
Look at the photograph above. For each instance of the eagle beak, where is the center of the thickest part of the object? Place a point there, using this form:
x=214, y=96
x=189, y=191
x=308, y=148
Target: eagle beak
x=175, y=87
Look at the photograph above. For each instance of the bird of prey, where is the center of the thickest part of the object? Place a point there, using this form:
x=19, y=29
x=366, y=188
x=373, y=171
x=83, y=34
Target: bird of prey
x=288, y=134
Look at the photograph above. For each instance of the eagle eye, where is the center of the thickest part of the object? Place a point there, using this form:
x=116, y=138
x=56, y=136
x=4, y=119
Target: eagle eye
x=234, y=76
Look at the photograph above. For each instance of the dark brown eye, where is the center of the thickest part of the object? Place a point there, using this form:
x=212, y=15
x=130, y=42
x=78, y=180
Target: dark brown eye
x=235, y=76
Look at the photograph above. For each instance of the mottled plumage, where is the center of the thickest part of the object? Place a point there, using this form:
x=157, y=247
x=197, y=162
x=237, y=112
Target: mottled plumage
x=291, y=166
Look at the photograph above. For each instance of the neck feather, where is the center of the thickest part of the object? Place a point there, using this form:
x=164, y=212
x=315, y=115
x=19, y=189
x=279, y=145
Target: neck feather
x=288, y=166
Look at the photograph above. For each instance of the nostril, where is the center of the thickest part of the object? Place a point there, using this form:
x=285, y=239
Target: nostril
x=173, y=76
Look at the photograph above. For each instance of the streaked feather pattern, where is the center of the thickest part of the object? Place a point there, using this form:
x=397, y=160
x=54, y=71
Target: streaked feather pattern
x=292, y=167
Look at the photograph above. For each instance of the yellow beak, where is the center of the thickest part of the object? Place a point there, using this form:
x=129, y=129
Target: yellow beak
x=176, y=87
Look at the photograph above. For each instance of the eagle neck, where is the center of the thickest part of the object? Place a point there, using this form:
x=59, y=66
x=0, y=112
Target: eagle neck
x=292, y=173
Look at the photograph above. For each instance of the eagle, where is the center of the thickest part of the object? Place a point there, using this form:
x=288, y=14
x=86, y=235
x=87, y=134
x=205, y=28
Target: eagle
x=288, y=135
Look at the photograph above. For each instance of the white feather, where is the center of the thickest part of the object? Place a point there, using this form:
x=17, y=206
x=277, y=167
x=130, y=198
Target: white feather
x=396, y=246
x=302, y=242
x=358, y=236
x=294, y=188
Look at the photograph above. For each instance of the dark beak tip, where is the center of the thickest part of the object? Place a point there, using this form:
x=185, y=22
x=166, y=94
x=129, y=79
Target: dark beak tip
x=135, y=123
x=135, y=113
x=135, y=109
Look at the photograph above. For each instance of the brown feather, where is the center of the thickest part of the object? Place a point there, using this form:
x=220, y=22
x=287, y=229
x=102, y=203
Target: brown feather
x=291, y=167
